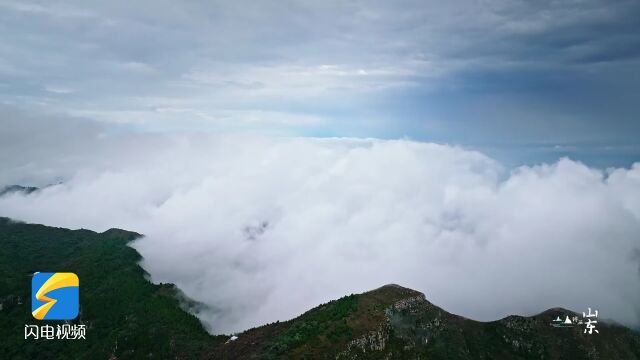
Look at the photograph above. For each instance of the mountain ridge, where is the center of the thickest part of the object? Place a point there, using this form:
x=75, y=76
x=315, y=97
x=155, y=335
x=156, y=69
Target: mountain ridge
x=390, y=322
x=400, y=323
x=12, y=189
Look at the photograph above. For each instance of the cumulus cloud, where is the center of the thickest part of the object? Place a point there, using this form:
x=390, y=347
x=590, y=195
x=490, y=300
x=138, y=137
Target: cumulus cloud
x=262, y=228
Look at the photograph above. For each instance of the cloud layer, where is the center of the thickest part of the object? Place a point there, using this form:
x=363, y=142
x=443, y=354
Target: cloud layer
x=262, y=228
x=457, y=71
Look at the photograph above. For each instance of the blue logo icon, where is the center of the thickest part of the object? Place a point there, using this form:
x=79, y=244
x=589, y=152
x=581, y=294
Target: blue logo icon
x=55, y=296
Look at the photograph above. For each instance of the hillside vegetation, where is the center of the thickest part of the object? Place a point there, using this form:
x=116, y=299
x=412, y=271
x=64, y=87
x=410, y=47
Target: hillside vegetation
x=127, y=317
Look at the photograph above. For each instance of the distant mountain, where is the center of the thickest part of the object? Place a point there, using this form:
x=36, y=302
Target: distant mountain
x=17, y=189
x=129, y=318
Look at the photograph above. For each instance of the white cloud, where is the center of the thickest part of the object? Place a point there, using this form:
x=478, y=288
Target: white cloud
x=231, y=120
x=137, y=67
x=303, y=81
x=261, y=229
x=58, y=89
x=55, y=10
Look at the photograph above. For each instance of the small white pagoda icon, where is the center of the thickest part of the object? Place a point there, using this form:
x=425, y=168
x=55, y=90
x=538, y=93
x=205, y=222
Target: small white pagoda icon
x=567, y=322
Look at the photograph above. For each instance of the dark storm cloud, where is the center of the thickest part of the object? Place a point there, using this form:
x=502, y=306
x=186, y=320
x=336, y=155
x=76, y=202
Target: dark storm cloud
x=571, y=31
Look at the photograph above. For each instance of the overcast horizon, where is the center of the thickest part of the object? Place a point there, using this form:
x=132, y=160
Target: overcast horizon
x=524, y=81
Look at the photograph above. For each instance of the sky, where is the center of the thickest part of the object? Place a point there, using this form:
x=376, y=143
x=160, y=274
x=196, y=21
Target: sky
x=524, y=81
x=280, y=154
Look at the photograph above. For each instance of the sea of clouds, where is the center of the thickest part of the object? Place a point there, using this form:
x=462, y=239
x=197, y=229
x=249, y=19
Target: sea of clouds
x=260, y=229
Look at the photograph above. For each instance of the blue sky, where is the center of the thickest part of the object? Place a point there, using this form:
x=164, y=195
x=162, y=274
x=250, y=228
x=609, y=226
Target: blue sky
x=523, y=81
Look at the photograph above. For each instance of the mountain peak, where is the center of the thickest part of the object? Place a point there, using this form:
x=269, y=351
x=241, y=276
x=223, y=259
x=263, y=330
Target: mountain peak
x=394, y=291
x=394, y=322
x=11, y=189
